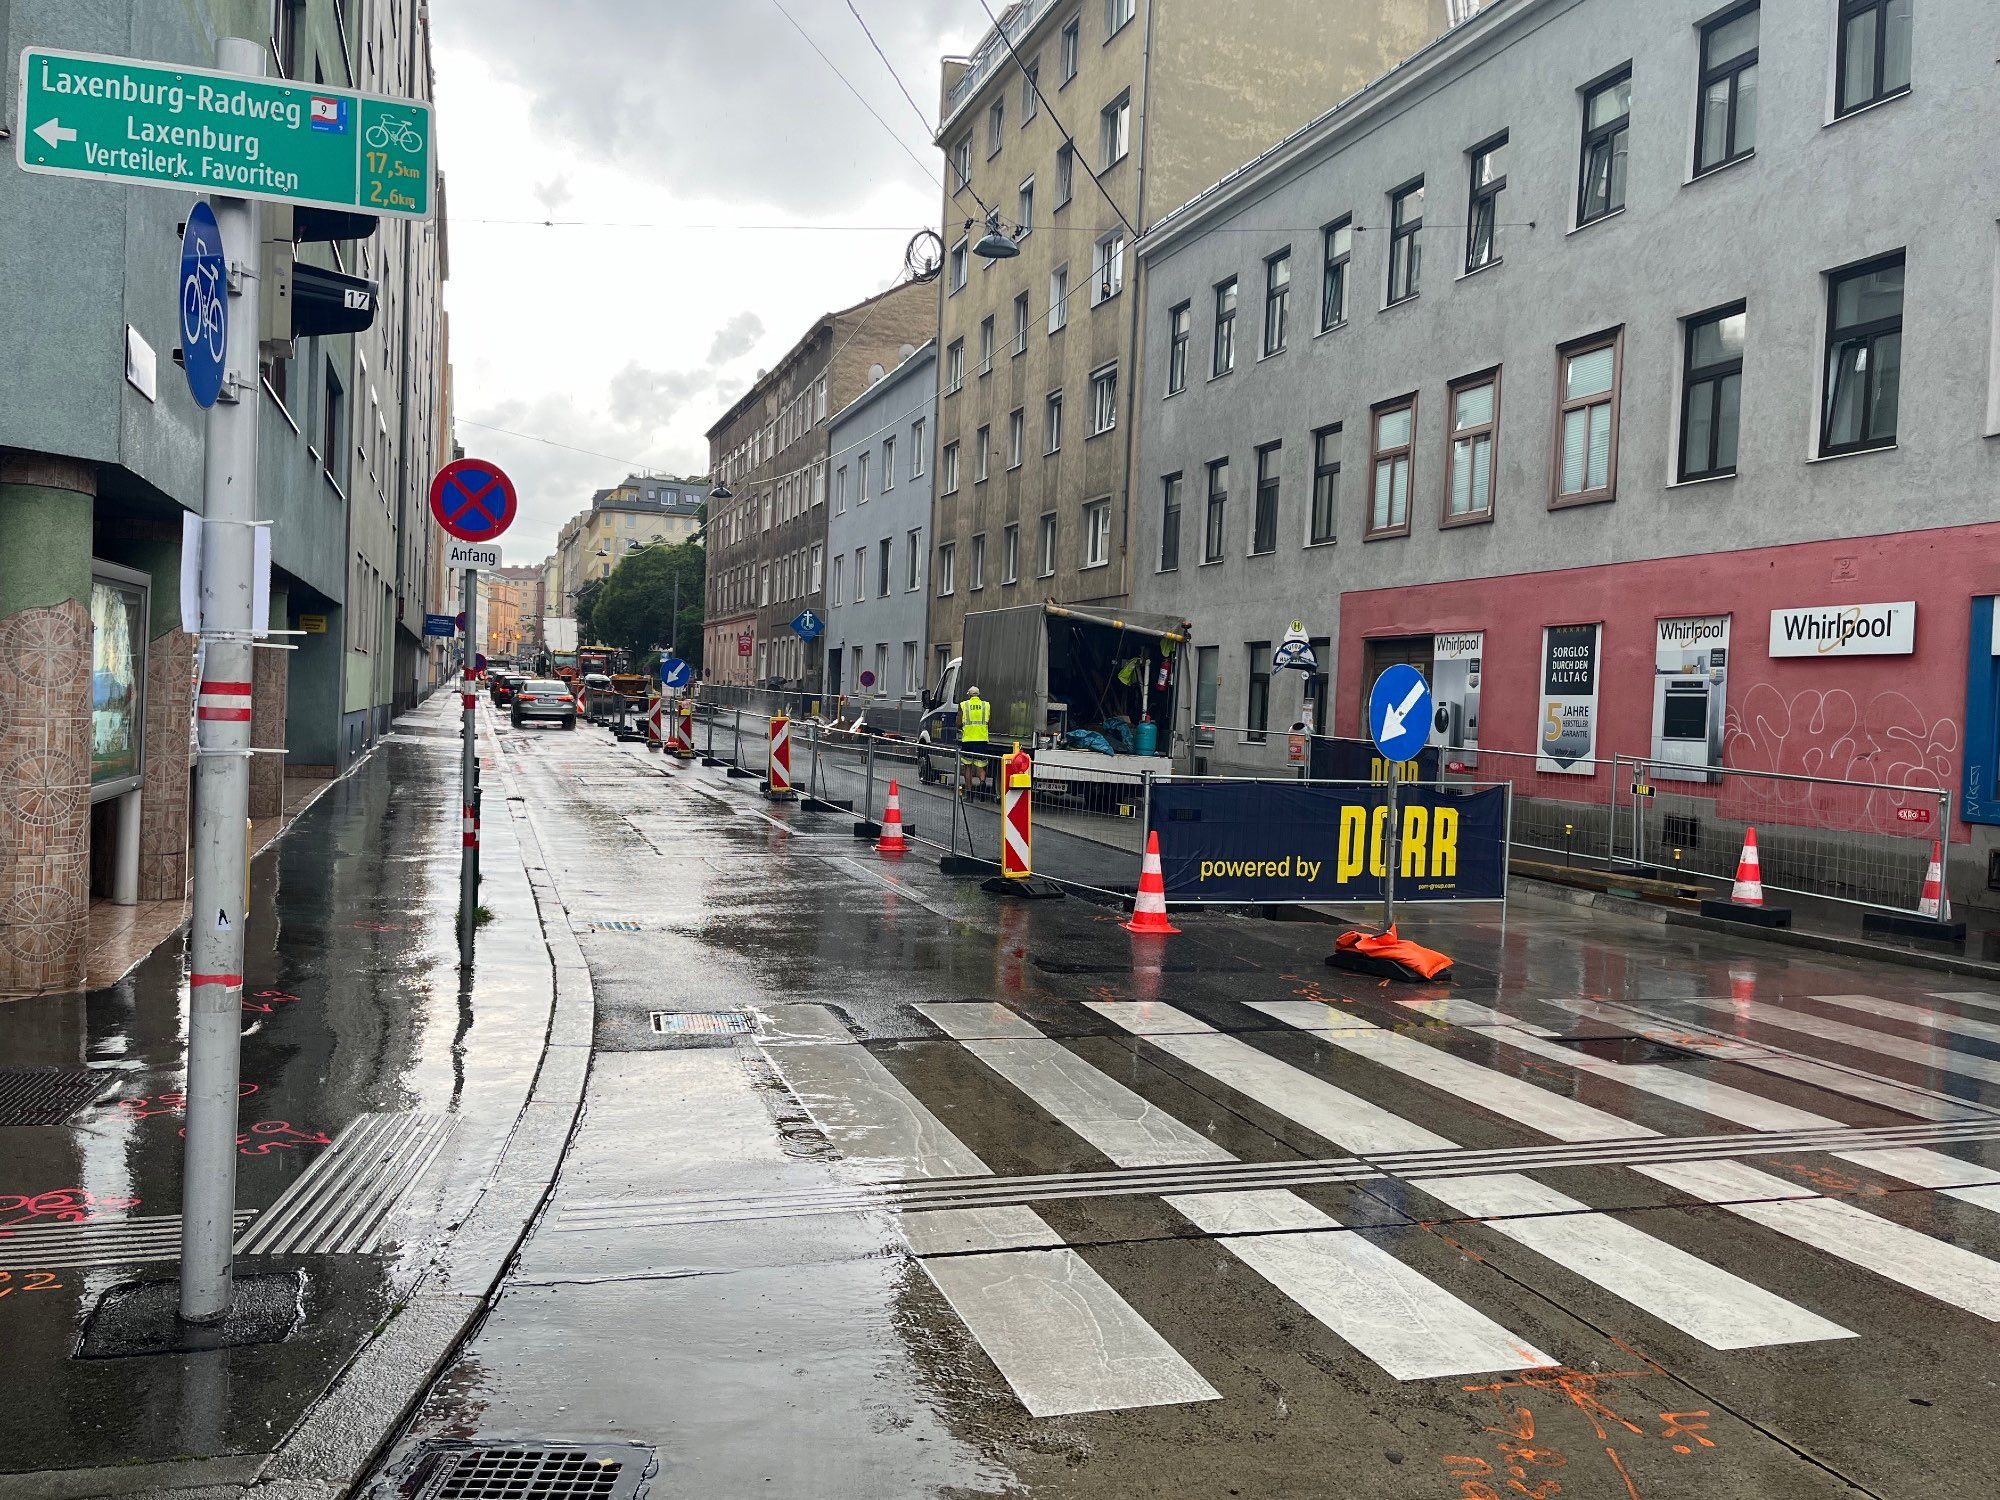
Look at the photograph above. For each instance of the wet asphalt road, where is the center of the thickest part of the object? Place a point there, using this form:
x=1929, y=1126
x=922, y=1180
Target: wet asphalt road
x=987, y=1199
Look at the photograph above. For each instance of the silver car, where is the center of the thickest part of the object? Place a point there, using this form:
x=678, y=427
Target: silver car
x=544, y=698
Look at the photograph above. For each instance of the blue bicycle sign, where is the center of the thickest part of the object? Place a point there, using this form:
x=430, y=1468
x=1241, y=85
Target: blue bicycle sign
x=204, y=277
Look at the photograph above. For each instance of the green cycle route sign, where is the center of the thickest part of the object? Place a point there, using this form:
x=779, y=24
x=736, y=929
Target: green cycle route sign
x=82, y=115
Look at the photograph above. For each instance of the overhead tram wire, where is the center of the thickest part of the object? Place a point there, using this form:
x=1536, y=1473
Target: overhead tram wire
x=930, y=129
x=922, y=166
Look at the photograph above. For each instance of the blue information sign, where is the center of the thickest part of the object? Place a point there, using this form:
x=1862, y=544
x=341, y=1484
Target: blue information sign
x=674, y=672
x=808, y=625
x=444, y=625
x=204, y=279
x=1399, y=712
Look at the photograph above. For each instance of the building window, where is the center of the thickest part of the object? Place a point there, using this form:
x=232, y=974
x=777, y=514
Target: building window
x=982, y=449
x=1864, y=356
x=884, y=558
x=961, y=164
x=1097, y=533
x=1207, y=680
x=888, y=464
x=1107, y=268
x=1475, y=420
x=1257, y=705
x=1114, y=132
x=944, y=569
x=1711, y=393
x=918, y=448
x=333, y=428
x=818, y=562
x=1116, y=14
x=975, y=571
x=1024, y=209
x=996, y=119
x=913, y=550
x=839, y=580
x=1017, y=436
x=1482, y=218
x=1725, y=127
x=911, y=684
x=1607, y=124
x=1389, y=495
x=1170, y=523
x=1072, y=35
x=1336, y=249
x=1215, y=522
x=1406, y=254
x=1264, y=519
x=985, y=347
x=1180, y=323
x=1277, y=299
x=1326, y=484
x=1052, y=423
x=860, y=478
x=1021, y=324
x=1065, y=173
x=1587, y=419
x=948, y=468
x=1223, y=357
x=1031, y=99
x=1874, y=60
x=1058, y=298
x=954, y=366
x=840, y=490
x=1010, y=554
x=1048, y=558
x=957, y=273
x=1103, y=400
x=860, y=574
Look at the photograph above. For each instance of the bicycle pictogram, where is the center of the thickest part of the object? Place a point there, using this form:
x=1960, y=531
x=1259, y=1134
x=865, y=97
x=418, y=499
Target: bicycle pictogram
x=401, y=134
x=204, y=315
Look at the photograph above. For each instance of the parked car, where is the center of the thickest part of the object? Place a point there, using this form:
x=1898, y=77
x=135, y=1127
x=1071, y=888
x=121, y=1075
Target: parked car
x=544, y=698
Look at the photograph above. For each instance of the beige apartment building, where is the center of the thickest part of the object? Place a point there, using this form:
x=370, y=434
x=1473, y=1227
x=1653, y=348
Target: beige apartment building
x=645, y=508
x=1083, y=123
x=767, y=531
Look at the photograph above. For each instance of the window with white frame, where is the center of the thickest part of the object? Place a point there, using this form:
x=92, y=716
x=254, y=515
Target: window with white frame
x=1097, y=533
x=1103, y=399
x=918, y=449
x=982, y=451
x=946, y=558
x=1058, y=297
x=1107, y=267
x=1072, y=39
x=956, y=282
x=888, y=464
x=840, y=490
x=1024, y=209
x=948, y=468
x=838, y=592
x=1010, y=554
x=975, y=570
x=913, y=545
x=1116, y=14
x=1114, y=132
x=1021, y=324
x=1017, y=436
x=954, y=366
x=1586, y=466
x=1052, y=413
x=1048, y=545
x=1065, y=173
x=996, y=119
x=1031, y=101
x=861, y=478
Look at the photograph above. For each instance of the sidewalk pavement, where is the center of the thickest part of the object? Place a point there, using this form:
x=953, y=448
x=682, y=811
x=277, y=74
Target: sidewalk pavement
x=401, y=1123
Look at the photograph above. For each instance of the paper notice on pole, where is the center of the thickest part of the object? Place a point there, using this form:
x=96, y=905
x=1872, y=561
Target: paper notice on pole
x=260, y=573
x=190, y=572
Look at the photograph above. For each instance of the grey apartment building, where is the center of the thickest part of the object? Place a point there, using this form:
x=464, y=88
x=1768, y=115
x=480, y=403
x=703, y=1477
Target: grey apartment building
x=1646, y=339
x=878, y=529
x=1073, y=124
x=768, y=453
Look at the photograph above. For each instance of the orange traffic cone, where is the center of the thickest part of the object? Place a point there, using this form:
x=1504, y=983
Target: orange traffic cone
x=892, y=842
x=1749, y=887
x=1149, y=912
x=1934, y=903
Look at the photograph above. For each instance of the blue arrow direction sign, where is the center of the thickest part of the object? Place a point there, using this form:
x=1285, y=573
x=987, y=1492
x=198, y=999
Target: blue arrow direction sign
x=674, y=672
x=204, y=299
x=1399, y=712
x=808, y=625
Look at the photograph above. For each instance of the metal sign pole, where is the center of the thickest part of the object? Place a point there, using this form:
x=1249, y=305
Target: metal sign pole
x=468, y=878
x=1390, y=843
x=221, y=853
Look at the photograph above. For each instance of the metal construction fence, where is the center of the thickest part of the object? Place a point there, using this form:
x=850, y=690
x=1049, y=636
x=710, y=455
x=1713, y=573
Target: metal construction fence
x=1866, y=843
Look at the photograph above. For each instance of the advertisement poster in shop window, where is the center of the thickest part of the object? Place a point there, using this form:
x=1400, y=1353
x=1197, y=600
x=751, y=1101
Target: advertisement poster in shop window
x=1569, y=699
x=1455, y=691
x=1690, y=676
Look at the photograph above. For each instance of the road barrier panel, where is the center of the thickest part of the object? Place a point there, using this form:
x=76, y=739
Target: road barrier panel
x=778, y=766
x=1017, y=876
x=683, y=733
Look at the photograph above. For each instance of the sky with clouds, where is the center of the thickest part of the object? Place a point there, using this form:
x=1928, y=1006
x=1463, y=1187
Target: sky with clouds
x=715, y=187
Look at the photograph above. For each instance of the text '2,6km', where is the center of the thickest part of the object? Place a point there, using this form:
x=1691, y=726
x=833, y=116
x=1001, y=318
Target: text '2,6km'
x=148, y=124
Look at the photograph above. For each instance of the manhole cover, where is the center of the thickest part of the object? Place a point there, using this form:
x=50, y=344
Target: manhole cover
x=526, y=1471
x=1625, y=1049
x=44, y=1096
x=701, y=1023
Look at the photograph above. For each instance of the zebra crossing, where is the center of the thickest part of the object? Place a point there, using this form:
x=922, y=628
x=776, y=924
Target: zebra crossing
x=1067, y=1339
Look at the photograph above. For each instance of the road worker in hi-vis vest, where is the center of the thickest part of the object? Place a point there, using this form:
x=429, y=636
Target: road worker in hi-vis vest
x=975, y=720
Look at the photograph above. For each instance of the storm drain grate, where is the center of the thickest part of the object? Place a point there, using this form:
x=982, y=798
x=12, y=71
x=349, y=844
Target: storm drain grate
x=612, y=925
x=701, y=1023
x=520, y=1471
x=45, y=1096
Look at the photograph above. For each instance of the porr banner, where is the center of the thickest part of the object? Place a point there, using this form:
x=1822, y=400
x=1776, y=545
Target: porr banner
x=1268, y=842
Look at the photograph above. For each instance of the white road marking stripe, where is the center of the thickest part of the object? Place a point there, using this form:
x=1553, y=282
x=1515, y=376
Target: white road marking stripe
x=1984, y=999
x=1916, y=1015
x=1909, y=1257
x=1923, y=1054
x=1411, y=1327
x=1061, y=1336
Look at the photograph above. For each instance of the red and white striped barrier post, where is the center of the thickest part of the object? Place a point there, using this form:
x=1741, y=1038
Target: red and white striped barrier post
x=778, y=779
x=654, y=732
x=1017, y=834
x=684, y=730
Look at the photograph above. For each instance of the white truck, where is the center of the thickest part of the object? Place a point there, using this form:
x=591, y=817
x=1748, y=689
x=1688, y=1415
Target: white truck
x=1095, y=697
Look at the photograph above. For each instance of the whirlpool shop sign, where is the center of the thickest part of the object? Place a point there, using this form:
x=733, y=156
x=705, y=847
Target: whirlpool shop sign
x=1845, y=630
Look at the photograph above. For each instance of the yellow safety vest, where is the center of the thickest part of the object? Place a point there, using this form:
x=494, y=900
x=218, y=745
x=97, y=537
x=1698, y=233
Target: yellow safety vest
x=974, y=714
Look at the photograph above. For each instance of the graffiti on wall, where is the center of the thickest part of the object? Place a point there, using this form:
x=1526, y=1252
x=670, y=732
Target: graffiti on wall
x=1887, y=741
